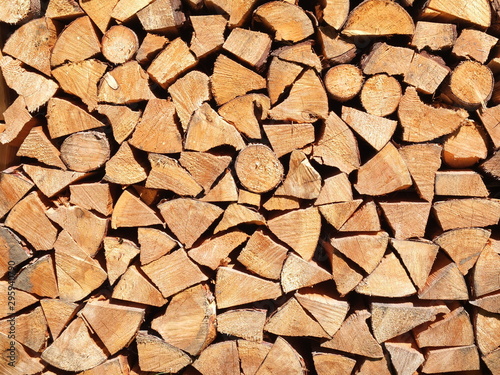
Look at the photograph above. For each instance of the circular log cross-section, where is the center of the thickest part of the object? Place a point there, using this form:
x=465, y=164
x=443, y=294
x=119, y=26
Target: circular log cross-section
x=343, y=82
x=381, y=94
x=85, y=151
x=119, y=44
x=258, y=168
x=471, y=84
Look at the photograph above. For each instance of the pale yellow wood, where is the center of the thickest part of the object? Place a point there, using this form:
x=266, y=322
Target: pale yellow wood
x=407, y=219
x=298, y=273
x=434, y=35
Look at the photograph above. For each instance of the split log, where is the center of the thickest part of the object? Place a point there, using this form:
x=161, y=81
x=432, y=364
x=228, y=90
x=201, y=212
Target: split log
x=11, y=250
x=219, y=358
x=64, y=9
x=433, y=35
x=124, y=168
x=298, y=273
x=38, y=278
x=237, y=41
x=364, y=219
x=125, y=9
x=13, y=186
x=301, y=53
x=149, y=48
x=208, y=33
x=462, y=358
x=488, y=118
x=154, y=243
x=58, y=314
x=407, y=219
x=466, y=147
x=384, y=58
x=130, y=211
x=336, y=48
x=51, y=181
x=162, y=16
x=335, y=13
x=467, y=213
x=247, y=324
x=302, y=180
x=418, y=75
x=85, y=151
x=486, y=269
x=123, y=120
x=479, y=15
x=282, y=357
x=460, y=183
x=16, y=12
x=119, y=253
x=238, y=10
x=242, y=112
x=474, y=44
x=99, y=12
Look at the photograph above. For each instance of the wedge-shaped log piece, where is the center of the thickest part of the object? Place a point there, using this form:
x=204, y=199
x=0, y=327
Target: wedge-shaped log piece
x=281, y=203
x=487, y=329
x=214, y=251
x=492, y=361
x=378, y=18
x=407, y=219
x=119, y=253
x=115, y=325
x=86, y=228
x=133, y=286
x=237, y=41
x=208, y=33
x=124, y=168
x=66, y=353
x=238, y=10
x=126, y=9
x=189, y=320
x=423, y=161
x=336, y=48
x=436, y=36
x=354, y=337
x=292, y=320
x=231, y=79
x=467, y=213
x=173, y=273
x=23, y=300
x=385, y=173
x=282, y=357
x=422, y=122
x=492, y=165
x=306, y=224
x=161, y=16
x=34, y=88
x=123, y=120
x=335, y=189
x=188, y=228
x=365, y=219
x=118, y=365
x=188, y=94
x=307, y=101
x=204, y=167
x=486, y=270
x=460, y=183
x=51, y=181
x=300, y=53
x=37, y=146
x=466, y=147
x=454, y=329
x=462, y=358
x=263, y=256
x=157, y=131
x=13, y=186
x=489, y=118
x=224, y=191
x=28, y=219
x=285, y=138
x=405, y=358
x=64, y=9
x=474, y=44
x=298, y=273
x=366, y=250
x=419, y=76
x=31, y=329
x=58, y=314
x=335, y=13
x=445, y=282
x=489, y=303
x=130, y=211
x=150, y=46
x=245, y=323
x=167, y=174
x=154, y=244
x=384, y=58
x=18, y=123
x=245, y=112
x=281, y=75
x=345, y=276
x=418, y=258
x=207, y=130
x=478, y=12
x=12, y=251
x=393, y=319
x=249, y=198
x=156, y=355
x=330, y=363
x=220, y=358
x=18, y=11
x=252, y=354
x=302, y=180
x=38, y=278
x=252, y=289
x=25, y=363
x=389, y=279
x=100, y=12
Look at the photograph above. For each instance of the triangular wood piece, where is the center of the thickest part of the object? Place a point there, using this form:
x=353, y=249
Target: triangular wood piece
x=188, y=228
x=335, y=189
x=76, y=43
x=292, y=320
x=298, y=273
x=214, y=251
x=467, y=213
x=154, y=244
x=119, y=252
x=460, y=183
x=282, y=204
x=282, y=357
x=285, y=138
x=123, y=120
x=23, y=300
x=489, y=118
x=384, y=173
x=241, y=112
x=87, y=229
x=377, y=131
x=333, y=364
x=155, y=355
x=300, y=53
x=458, y=11
x=249, y=198
x=346, y=278
x=445, y=282
x=18, y=123
x=13, y=186
x=133, y=286
x=37, y=146
x=454, y=329
x=464, y=246
x=237, y=214
x=167, y=174
x=486, y=270
x=64, y=9
x=124, y=168
x=492, y=361
x=328, y=311
x=28, y=219
x=38, y=277
x=299, y=229
x=81, y=79
x=405, y=359
x=219, y=359
x=366, y=250
x=338, y=213
x=407, y=219
x=12, y=251
x=393, y=319
x=354, y=337
x=130, y=211
x=245, y=323
x=31, y=329
x=263, y=256
x=281, y=74
x=365, y=219
x=189, y=320
x=302, y=180
x=92, y=196
x=100, y=12
x=462, y=358
x=224, y=191
x=337, y=146
x=173, y=273
x=58, y=314
x=252, y=288
x=423, y=160
x=252, y=354
x=231, y=80
x=51, y=181
x=157, y=131
x=208, y=33
x=389, y=279
x=418, y=258
x=66, y=352
x=204, y=167
x=307, y=101
x=77, y=273
x=207, y=130
x=489, y=303
x=118, y=365
x=26, y=362
x=487, y=329
x=115, y=325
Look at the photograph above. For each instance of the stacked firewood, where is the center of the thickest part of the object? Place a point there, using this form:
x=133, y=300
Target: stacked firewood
x=227, y=187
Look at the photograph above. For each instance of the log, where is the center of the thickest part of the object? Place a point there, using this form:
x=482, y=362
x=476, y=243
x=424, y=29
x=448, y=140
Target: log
x=130, y=211
x=282, y=357
x=343, y=82
x=124, y=168
x=99, y=12
x=335, y=189
x=38, y=278
x=467, y=213
x=239, y=38
x=220, y=358
x=474, y=44
x=149, y=48
x=242, y=112
x=18, y=11
x=384, y=58
x=460, y=183
x=488, y=118
x=417, y=74
x=85, y=151
x=380, y=95
x=238, y=11
x=484, y=281
x=162, y=16
x=119, y=44
x=302, y=180
x=208, y=33
x=479, y=14
x=13, y=186
x=335, y=48
x=119, y=253
x=335, y=13
x=51, y=181
x=433, y=35
x=64, y=9
x=462, y=358
x=123, y=120
x=58, y=314
x=11, y=250
x=405, y=358
x=407, y=219
x=245, y=323
x=298, y=273
x=458, y=153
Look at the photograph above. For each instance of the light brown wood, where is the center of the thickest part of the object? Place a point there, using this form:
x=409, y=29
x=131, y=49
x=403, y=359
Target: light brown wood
x=208, y=33
x=204, y=167
x=384, y=58
x=302, y=180
x=11, y=250
x=242, y=113
x=252, y=354
x=335, y=12
x=149, y=48
x=489, y=303
x=474, y=44
x=364, y=219
x=434, y=35
x=488, y=117
x=119, y=44
x=460, y=183
x=18, y=123
x=486, y=268
x=64, y=9
x=465, y=147
x=23, y=300
x=479, y=14
x=220, y=358
x=13, y=186
x=280, y=75
x=85, y=151
x=58, y=314
x=298, y=273
x=51, y=181
x=405, y=359
x=418, y=75
x=25, y=362
x=245, y=323
x=130, y=211
x=248, y=198
x=239, y=38
x=335, y=189
x=126, y=9
x=281, y=204
x=338, y=213
x=154, y=243
x=330, y=363
x=343, y=82
x=123, y=120
x=282, y=357
x=237, y=214
x=471, y=84
x=335, y=48
x=99, y=12
x=38, y=278
x=20, y=10
x=124, y=168
x=407, y=219
x=467, y=213
x=162, y=16
x=224, y=191
x=462, y=358
x=491, y=361
x=118, y=365
x=381, y=94
x=285, y=138
x=301, y=53
x=238, y=10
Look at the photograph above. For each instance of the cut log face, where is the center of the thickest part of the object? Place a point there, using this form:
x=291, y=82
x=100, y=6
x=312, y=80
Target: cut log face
x=486, y=270
x=297, y=273
x=434, y=35
x=38, y=278
x=247, y=324
x=467, y=213
x=330, y=363
x=12, y=252
x=462, y=358
x=220, y=358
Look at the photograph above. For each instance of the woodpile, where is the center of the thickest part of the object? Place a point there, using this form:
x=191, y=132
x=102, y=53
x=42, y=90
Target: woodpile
x=227, y=187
